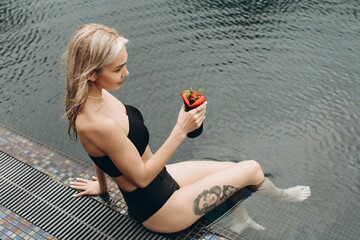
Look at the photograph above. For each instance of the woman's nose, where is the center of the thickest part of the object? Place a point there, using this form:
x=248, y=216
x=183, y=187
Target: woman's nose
x=126, y=72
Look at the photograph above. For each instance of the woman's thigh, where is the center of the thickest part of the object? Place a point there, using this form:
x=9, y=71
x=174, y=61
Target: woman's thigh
x=192, y=201
x=188, y=172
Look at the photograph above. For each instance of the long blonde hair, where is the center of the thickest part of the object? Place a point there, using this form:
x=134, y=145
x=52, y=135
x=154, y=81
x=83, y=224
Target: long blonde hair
x=92, y=47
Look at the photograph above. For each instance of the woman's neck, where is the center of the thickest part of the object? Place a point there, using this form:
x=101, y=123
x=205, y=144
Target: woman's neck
x=95, y=93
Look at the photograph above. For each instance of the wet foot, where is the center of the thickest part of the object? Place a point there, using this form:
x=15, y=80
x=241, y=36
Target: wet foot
x=294, y=194
x=239, y=227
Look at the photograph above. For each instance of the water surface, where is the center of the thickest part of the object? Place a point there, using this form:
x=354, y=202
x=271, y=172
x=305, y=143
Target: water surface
x=282, y=81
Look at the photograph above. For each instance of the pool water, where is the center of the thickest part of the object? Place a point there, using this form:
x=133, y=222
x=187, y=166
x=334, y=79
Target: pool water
x=282, y=80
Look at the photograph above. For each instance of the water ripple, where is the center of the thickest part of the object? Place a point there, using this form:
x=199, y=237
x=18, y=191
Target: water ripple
x=282, y=77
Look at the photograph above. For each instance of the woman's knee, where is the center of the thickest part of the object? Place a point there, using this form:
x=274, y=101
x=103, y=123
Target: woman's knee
x=257, y=175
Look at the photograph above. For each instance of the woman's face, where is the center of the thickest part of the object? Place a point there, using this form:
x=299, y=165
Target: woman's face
x=112, y=76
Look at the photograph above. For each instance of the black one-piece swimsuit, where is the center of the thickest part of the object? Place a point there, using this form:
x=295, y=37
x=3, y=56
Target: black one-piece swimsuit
x=142, y=202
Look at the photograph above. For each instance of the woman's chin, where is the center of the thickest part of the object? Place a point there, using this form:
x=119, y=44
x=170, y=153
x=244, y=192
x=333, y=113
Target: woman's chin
x=116, y=88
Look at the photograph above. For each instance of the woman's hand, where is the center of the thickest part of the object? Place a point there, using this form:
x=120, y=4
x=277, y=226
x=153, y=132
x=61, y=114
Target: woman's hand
x=87, y=187
x=191, y=120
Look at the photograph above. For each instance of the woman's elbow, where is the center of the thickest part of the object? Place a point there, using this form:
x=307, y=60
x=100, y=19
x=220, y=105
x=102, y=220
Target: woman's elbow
x=141, y=182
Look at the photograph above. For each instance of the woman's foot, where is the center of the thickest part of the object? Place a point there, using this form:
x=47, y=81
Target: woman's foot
x=293, y=194
x=239, y=220
x=241, y=226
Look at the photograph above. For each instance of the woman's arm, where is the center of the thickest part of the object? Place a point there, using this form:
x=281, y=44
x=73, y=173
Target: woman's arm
x=112, y=140
x=101, y=177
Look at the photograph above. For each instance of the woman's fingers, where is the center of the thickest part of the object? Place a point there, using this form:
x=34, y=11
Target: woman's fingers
x=200, y=111
x=202, y=108
x=85, y=190
x=83, y=185
x=78, y=187
x=198, y=114
x=191, y=120
x=77, y=184
x=82, y=180
x=80, y=194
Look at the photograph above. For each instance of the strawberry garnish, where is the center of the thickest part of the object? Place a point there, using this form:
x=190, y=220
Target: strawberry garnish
x=193, y=98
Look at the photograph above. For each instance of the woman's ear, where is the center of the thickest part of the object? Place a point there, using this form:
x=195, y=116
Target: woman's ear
x=92, y=76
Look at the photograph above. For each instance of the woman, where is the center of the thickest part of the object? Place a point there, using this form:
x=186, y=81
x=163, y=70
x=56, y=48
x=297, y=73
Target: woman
x=163, y=197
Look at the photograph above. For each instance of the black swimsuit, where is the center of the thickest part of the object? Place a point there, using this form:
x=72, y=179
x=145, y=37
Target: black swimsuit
x=142, y=202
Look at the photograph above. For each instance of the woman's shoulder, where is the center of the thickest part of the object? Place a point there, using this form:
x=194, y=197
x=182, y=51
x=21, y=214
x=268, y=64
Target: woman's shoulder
x=104, y=120
x=99, y=124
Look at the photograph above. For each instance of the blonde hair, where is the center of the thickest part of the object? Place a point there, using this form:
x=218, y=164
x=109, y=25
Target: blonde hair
x=92, y=47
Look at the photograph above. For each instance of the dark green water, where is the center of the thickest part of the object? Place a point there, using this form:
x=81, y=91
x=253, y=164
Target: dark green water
x=282, y=80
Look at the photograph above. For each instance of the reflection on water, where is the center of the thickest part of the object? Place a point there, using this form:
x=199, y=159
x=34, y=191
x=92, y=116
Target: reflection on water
x=281, y=77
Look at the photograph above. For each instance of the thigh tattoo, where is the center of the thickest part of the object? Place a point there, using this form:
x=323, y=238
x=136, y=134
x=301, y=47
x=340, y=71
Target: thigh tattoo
x=209, y=199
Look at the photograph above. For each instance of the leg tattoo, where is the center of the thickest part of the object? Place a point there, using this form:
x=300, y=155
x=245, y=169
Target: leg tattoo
x=209, y=199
